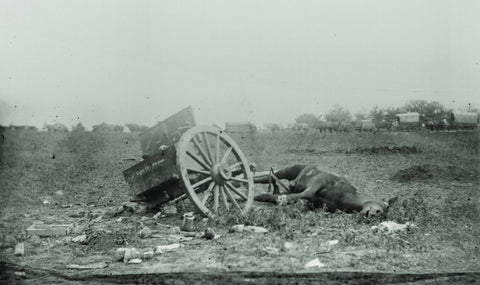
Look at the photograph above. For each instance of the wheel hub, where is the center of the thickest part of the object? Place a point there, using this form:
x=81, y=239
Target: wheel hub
x=220, y=173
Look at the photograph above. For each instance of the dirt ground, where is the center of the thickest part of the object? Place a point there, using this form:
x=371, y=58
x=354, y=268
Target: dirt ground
x=431, y=179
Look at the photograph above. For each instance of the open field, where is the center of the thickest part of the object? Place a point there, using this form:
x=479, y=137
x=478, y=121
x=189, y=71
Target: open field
x=77, y=178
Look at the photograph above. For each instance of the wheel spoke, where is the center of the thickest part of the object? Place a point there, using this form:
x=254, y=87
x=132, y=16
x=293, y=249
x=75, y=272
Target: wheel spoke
x=207, y=193
x=201, y=151
x=224, y=198
x=209, y=150
x=203, y=164
x=215, y=198
x=200, y=183
x=229, y=185
x=226, y=154
x=234, y=166
x=198, y=171
x=217, y=156
x=231, y=198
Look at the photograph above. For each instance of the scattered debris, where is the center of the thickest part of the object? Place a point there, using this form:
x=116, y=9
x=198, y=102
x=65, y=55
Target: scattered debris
x=252, y=229
x=161, y=248
x=187, y=223
x=209, y=234
x=43, y=230
x=271, y=250
x=59, y=193
x=80, y=239
x=135, y=261
x=20, y=274
x=134, y=253
x=391, y=227
x=20, y=249
x=97, y=265
x=35, y=240
x=145, y=232
x=157, y=215
x=255, y=229
x=287, y=246
x=314, y=263
x=332, y=242
x=237, y=228
x=169, y=209
x=46, y=202
x=129, y=208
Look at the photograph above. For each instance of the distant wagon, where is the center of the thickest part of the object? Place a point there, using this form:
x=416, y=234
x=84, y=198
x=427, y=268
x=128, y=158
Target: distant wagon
x=464, y=120
x=409, y=121
x=240, y=128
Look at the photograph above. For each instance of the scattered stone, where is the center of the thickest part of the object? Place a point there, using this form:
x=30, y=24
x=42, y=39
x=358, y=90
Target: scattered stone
x=209, y=234
x=135, y=261
x=145, y=232
x=119, y=220
x=314, y=263
x=169, y=209
x=80, y=239
x=20, y=249
x=59, y=193
x=66, y=206
x=46, y=202
x=157, y=215
x=96, y=265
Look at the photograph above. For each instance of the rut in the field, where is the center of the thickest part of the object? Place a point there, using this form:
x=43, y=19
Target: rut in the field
x=433, y=171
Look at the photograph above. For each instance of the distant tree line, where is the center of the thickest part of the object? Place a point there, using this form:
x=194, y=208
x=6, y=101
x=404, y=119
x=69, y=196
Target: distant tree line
x=432, y=116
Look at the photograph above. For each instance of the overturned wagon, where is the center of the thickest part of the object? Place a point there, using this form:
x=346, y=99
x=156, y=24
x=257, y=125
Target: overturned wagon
x=182, y=160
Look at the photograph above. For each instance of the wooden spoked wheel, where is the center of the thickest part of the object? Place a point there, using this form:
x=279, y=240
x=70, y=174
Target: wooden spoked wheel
x=214, y=171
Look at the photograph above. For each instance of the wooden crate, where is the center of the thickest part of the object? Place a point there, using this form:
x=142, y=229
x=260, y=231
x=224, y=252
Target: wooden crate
x=155, y=177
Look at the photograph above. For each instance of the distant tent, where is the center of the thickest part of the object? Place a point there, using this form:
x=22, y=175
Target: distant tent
x=411, y=117
x=465, y=118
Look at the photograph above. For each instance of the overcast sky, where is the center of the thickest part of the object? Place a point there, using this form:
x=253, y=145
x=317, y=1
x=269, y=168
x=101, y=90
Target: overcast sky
x=262, y=61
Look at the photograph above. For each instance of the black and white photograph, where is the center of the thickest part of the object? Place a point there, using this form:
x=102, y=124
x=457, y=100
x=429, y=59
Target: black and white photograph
x=239, y=142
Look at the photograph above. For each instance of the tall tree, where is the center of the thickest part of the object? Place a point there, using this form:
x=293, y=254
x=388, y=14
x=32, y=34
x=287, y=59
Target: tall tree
x=310, y=119
x=338, y=114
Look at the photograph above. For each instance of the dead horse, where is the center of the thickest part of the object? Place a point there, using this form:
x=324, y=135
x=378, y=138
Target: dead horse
x=322, y=188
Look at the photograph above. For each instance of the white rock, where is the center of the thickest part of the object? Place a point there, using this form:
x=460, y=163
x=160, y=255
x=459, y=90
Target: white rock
x=332, y=242
x=314, y=263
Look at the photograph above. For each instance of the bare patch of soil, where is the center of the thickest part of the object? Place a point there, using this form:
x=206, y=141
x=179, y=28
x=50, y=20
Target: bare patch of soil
x=433, y=171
